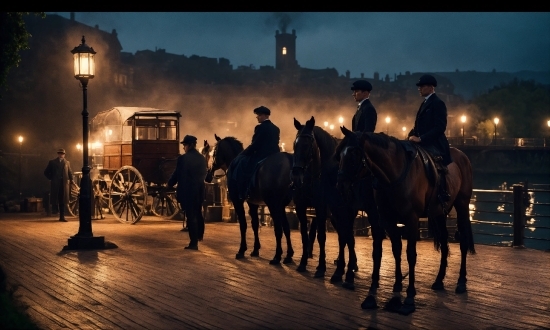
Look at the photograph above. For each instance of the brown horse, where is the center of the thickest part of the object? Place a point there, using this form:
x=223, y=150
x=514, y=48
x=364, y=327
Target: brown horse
x=271, y=188
x=406, y=189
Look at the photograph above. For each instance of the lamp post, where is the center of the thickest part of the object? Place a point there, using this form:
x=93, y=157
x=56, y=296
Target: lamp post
x=496, y=120
x=463, y=120
x=388, y=119
x=84, y=70
x=20, y=164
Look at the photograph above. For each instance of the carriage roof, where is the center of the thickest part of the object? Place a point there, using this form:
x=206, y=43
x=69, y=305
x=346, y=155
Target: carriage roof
x=119, y=115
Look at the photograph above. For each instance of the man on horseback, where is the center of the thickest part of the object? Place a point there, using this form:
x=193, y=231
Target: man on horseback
x=429, y=129
x=265, y=142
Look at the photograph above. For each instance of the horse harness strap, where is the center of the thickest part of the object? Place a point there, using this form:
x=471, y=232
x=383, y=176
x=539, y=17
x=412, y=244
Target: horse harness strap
x=315, y=176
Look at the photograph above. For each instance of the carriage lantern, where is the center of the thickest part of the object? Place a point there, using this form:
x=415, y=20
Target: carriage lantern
x=84, y=70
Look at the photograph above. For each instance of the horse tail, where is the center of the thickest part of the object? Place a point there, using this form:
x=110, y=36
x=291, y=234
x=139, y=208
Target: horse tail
x=437, y=226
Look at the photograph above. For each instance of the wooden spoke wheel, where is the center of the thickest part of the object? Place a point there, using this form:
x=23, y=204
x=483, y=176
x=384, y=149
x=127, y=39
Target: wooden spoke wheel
x=127, y=195
x=164, y=203
x=101, y=198
x=74, y=196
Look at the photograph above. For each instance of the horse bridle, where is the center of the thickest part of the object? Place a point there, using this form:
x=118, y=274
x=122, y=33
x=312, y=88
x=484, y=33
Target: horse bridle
x=310, y=155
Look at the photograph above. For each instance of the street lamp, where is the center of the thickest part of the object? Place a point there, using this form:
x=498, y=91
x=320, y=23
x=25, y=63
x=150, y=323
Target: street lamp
x=84, y=70
x=463, y=120
x=388, y=119
x=326, y=124
x=496, y=120
x=404, y=132
x=20, y=164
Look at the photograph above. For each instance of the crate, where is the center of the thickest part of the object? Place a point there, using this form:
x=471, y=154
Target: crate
x=33, y=204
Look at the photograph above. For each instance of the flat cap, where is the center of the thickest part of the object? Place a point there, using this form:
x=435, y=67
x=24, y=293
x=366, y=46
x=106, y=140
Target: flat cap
x=60, y=151
x=189, y=139
x=261, y=110
x=362, y=85
x=427, y=80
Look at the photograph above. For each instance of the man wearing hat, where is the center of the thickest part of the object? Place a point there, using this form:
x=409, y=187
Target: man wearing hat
x=265, y=142
x=189, y=174
x=364, y=120
x=430, y=126
x=60, y=175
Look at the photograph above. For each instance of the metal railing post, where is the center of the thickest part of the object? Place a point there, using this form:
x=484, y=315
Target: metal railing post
x=519, y=216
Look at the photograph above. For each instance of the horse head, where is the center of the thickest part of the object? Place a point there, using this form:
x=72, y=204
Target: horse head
x=352, y=161
x=225, y=151
x=305, y=151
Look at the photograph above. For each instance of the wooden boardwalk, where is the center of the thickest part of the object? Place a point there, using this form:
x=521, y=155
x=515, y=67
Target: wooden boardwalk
x=151, y=282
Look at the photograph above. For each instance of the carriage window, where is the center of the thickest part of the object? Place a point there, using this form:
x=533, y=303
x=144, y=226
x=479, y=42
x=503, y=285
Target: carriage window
x=146, y=129
x=167, y=130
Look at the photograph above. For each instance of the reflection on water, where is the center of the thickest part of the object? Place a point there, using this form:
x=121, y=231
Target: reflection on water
x=492, y=212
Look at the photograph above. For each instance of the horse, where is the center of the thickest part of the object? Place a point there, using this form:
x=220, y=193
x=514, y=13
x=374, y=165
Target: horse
x=271, y=188
x=314, y=174
x=405, y=190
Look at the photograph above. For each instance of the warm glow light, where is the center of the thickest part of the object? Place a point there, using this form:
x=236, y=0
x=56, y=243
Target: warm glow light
x=341, y=120
x=284, y=50
x=331, y=126
x=388, y=119
x=20, y=139
x=78, y=146
x=326, y=123
x=463, y=119
x=496, y=120
x=404, y=128
x=84, y=62
x=548, y=123
x=110, y=132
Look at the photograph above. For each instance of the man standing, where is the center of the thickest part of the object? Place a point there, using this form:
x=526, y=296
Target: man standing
x=60, y=175
x=430, y=126
x=189, y=174
x=365, y=118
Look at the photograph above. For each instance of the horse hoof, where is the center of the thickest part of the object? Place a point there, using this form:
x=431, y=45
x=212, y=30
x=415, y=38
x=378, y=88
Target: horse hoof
x=287, y=260
x=348, y=285
x=407, y=307
x=356, y=269
x=460, y=288
x=239, y=255
x=301, y=268
x=438, y=286
x=394, y=305
x=319, y=274
x=275, y=261
x=335, y=279
x=369, y=303
x=255, y=253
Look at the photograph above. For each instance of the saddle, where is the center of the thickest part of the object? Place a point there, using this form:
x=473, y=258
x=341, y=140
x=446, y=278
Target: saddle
x=243, y=175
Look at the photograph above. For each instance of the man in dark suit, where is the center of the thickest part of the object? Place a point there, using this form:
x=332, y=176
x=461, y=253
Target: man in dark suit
x=364, y=119
x=60, y=175
x=265, y=142
x=189, y=174
x=430, y=126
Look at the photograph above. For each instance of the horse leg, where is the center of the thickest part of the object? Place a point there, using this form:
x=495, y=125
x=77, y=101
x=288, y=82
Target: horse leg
x=255, y=222
x=396, y=245
x=408, y=305
x=377, y=238
x=341, y=261
x=349, y=282
x=278, y=228
x=286, y=232
x=442, y=240
x=466, y=239
x=321, y=227
x=301, y=214
x=312, y=233
x=239, y=210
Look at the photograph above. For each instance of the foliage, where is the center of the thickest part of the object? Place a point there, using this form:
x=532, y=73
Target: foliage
x=14, y=37
x=12, y=313
x=522, y=107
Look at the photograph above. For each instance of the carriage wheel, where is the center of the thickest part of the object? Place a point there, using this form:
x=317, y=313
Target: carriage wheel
x=164, y=203
x=101, y=198
x=127, y=195
x=74, y=195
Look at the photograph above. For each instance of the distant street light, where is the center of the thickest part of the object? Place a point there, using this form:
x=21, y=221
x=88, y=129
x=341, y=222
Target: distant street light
x=496, y=120
x=20, y=165
x=388, y=119
x=326, y=124
x=331, y=127
x=84, y=70
x=341, y=120
x=404, y=132
x=463, y=120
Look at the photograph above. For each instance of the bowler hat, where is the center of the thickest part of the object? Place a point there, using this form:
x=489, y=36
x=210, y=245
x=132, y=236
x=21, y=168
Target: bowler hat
x=261, y=110
x=427, y=80
x=362, y=85
x=60, y=151
x=189, y=139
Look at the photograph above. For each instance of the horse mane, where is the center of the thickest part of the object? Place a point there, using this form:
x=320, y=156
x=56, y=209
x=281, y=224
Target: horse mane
x=352, y=140
x=236, y=145
x=325, y=141
x=380, y=139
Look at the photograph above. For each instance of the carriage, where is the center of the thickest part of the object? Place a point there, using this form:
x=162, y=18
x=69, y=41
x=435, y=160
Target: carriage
x=133, y=152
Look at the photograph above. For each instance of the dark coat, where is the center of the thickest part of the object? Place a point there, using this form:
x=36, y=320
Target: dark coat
x=60, y=175
x=430, y=125
x=189, y=174
x=265, y=141
x=365, y=118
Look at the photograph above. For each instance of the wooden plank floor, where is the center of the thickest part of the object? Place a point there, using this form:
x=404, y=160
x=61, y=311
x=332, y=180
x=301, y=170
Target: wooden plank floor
x=151, y=282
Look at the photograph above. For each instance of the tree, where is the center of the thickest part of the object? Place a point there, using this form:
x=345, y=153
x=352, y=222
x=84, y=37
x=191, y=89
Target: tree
x=520, y=105
x=14, y=37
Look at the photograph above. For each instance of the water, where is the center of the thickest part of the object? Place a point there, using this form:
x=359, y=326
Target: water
x=498, y=208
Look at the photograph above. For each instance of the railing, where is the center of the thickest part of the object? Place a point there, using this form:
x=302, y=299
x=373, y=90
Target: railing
x=513, y=214
x=458, y=141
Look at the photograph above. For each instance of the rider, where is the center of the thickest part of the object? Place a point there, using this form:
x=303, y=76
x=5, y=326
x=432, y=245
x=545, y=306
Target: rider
x=265, y=142
x=429, y=128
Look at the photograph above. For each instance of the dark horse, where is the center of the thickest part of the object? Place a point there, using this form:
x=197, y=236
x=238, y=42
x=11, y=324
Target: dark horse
x=314, y=175
x=271, y=188
x=406, y=189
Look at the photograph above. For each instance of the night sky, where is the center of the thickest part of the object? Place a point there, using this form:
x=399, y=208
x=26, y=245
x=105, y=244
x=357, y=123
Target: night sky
x=383, y=42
